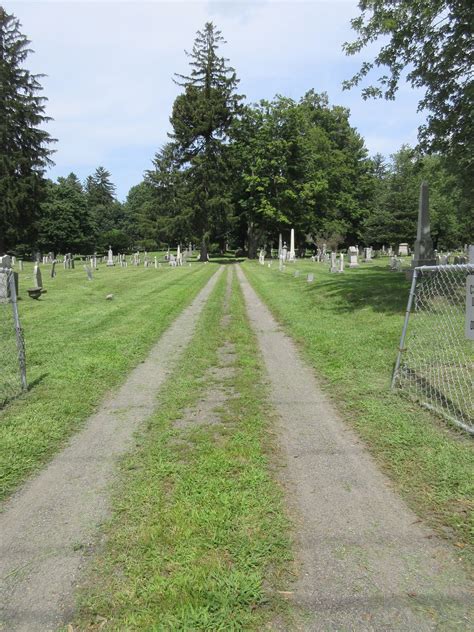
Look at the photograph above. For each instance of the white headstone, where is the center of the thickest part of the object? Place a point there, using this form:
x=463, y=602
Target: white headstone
x=110, y=257
x=292, y=245
x=341, y=263
x=353, y=252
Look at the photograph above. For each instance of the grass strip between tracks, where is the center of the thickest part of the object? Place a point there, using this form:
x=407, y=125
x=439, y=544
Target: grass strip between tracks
x=198, y=539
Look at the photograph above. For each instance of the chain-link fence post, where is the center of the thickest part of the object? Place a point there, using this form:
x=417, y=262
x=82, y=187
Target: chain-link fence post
x=18, y=332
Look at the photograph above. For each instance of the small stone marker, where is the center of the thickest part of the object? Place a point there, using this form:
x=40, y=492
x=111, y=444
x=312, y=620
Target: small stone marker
x=109, y=297
x=297, y=273
x=310, y=277
x=20, y=265
x=53, y=270
x=333, y=267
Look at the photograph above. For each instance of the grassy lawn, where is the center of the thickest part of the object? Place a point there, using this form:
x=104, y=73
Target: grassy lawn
x=79, y=345
x=348, y=326
x=198, y=536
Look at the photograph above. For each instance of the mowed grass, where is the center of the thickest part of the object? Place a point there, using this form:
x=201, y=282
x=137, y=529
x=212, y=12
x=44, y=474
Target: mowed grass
x=348, y=327
x=198, y=539
x=79, y=345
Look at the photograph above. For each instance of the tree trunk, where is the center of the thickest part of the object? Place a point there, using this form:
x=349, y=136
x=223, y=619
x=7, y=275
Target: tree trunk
x=252, y=241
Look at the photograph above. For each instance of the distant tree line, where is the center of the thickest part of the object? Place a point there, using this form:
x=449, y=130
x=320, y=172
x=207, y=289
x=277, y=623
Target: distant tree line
x=231, y=175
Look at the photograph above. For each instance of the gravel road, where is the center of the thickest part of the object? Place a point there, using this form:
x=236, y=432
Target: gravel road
x=47, y=528
x=366, y=562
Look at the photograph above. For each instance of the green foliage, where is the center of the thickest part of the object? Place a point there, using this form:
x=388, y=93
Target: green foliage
x=301, y=165
x=393, y=217
x=24, y=152
x=117, y=239
x=66, y=223
x=139, y=213
x=433, y=40
x=104, y=208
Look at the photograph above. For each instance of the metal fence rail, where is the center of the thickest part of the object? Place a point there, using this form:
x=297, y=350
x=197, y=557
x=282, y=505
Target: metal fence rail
x=435, y=362
x=12, y=348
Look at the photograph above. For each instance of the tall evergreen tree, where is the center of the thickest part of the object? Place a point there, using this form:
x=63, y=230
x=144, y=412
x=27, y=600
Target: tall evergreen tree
x=24, y=152
x=201, y=119
x=104, y=208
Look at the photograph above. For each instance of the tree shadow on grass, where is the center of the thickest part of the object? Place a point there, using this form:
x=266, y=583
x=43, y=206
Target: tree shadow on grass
x=21, y=393
x=226, y=260
x=376, y=287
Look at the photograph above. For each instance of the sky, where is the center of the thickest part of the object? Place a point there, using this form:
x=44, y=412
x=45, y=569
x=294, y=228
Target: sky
x=109, y=70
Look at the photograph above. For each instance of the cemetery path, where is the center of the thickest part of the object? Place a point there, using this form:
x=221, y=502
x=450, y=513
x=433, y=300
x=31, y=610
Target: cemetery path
x=49, y=526
x=365, y=561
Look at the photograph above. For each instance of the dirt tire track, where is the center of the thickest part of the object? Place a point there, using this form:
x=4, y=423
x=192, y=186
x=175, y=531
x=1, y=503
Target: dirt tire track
x=48, y=526
x=365, y=561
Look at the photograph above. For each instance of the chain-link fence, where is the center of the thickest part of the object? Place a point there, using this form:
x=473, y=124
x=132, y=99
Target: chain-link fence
x=435, y=363
x=12, y=349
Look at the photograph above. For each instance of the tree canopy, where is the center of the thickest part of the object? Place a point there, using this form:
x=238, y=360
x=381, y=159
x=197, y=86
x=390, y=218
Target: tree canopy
x=432, y=40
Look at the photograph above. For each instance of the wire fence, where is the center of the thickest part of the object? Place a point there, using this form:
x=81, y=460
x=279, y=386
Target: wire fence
x=435, y=363
x=12, y=347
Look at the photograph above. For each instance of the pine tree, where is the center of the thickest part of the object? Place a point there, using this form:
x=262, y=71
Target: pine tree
x=201, y=119
x=100, y=193
x=24, y=152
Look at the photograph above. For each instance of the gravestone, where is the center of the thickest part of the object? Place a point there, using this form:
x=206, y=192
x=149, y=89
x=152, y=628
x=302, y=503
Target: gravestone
x=261, y=257
x=403, y=250
x=333, y=267
x=341, y=263
x=424, y=255
x=5, y=271
x=37, y=280
x=53, y=270
x=310, y=277
x=280, y=245
x=110, y=257
x=353, y=253
x=5, y=261
x=88, y=272
x=297, y=273
x=20, y=265
x=368, y=254
x=292, y=256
